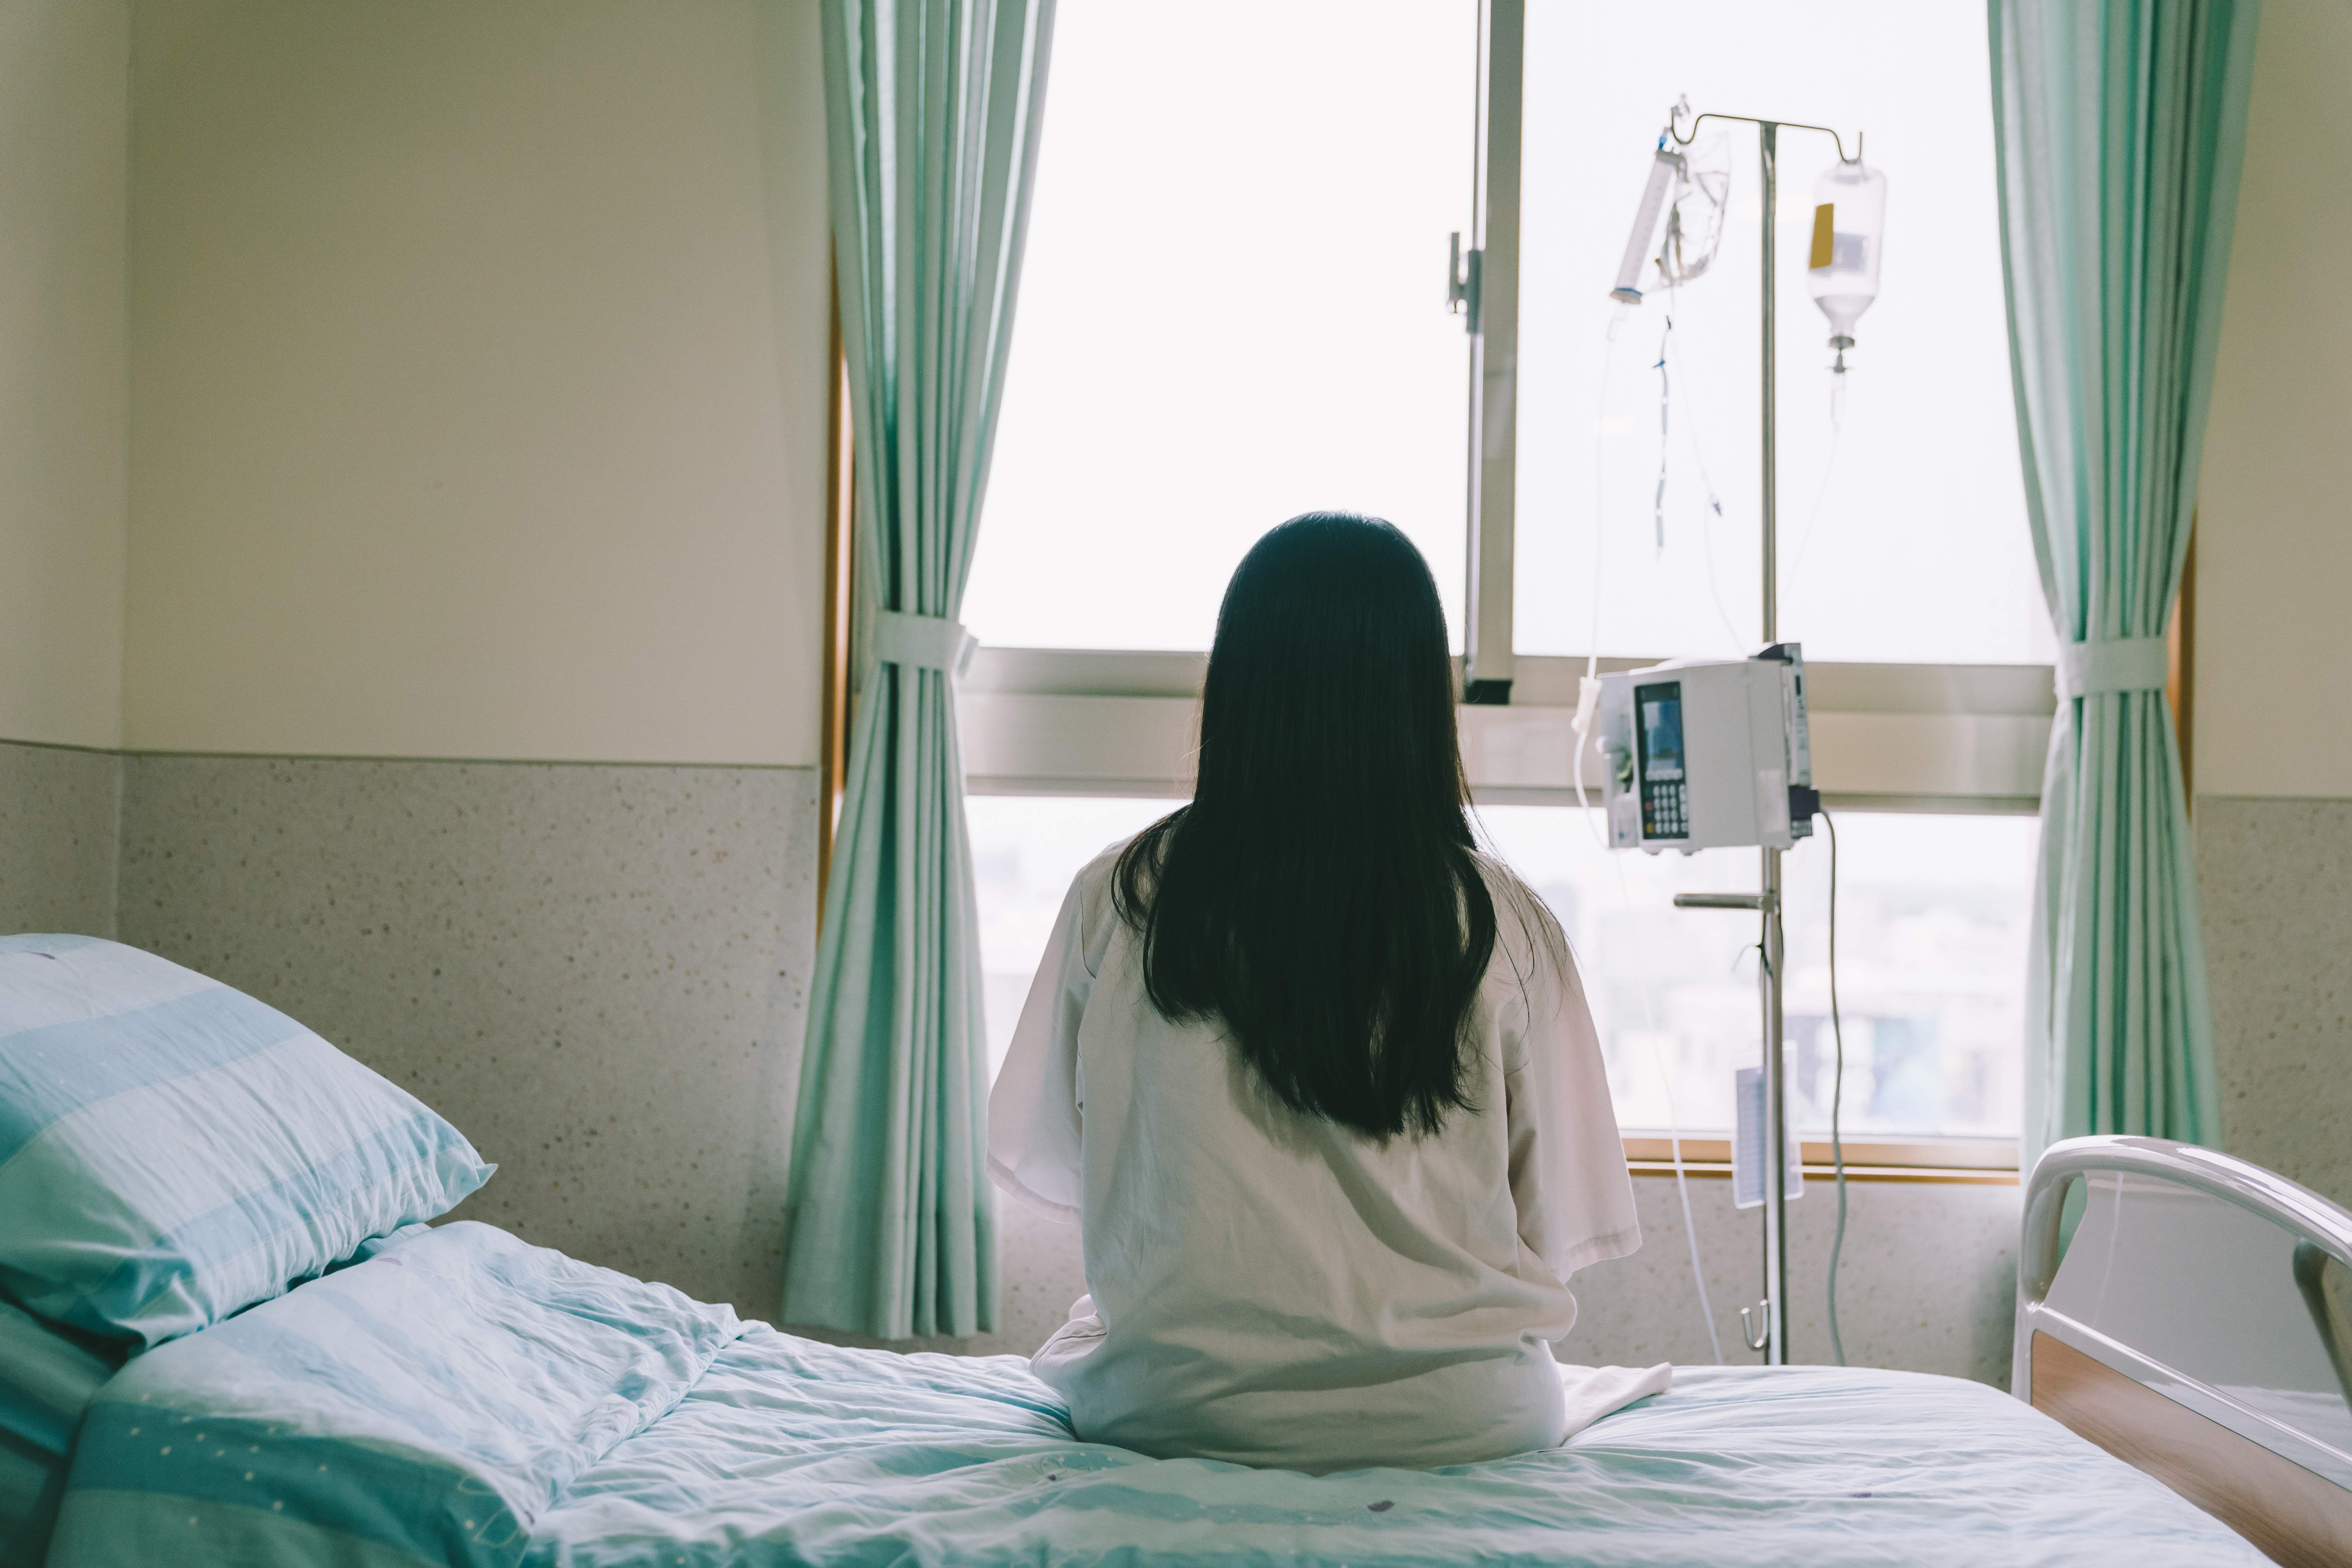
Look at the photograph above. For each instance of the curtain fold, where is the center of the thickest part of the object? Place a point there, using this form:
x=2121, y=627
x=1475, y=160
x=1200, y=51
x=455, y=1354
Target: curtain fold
x=2120, y=127
x=932, y=113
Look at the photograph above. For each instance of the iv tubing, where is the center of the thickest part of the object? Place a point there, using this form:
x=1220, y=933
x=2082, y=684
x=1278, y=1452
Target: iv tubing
x=1625, y=892
x=1837, y=1098
x=1713, y=501
x=1673, y=1128
x=1592, y=650
x=1828, y=471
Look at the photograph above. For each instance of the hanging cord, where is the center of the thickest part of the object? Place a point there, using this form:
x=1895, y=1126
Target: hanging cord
x=1665, y=401
x=1668, y=349
x=1588, y=691
x=1674, y=1127
x=1828, y=472
x=1837, y=1098
x=1588, y=696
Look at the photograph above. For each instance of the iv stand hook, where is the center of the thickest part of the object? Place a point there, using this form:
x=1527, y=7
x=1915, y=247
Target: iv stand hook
x=1762, y=1310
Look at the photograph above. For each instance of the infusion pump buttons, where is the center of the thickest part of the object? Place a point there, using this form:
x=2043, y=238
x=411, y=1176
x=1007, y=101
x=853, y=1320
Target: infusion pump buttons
x=1658, y=747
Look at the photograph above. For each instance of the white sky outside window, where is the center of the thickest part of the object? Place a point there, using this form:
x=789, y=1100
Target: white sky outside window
x=1232, y=308
x=1918, y=550
x=1932, y=914
x=1025, y=851
x=1931, y=960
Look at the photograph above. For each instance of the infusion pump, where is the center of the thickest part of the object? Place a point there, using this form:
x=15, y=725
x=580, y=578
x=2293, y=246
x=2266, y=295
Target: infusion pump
x=1708, y=753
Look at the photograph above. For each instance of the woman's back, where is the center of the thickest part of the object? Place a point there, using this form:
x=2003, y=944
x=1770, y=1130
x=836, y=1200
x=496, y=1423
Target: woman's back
x=1274, y=1288
x=1315, y=1077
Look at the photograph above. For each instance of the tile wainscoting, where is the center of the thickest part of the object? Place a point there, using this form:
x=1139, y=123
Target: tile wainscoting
x=59, y=824
x=598, y=973
x=2275, y=877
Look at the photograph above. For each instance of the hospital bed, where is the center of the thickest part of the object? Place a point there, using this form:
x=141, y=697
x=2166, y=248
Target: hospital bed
x=451, y=1395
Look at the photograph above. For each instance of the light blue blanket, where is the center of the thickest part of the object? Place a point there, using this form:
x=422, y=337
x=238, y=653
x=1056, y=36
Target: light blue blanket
x=48, y=1378
x=464, y=1398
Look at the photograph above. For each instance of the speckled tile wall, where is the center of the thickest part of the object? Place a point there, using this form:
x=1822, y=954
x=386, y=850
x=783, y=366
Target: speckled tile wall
x=2276, y=879
x=1926, y=1281
x=58, y=838
x=598, y=973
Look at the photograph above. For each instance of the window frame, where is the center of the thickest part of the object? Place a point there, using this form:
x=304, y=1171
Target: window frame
x=1940, y=738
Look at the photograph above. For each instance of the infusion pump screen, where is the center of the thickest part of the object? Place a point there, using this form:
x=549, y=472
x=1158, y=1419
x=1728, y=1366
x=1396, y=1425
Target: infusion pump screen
x=1665, y=809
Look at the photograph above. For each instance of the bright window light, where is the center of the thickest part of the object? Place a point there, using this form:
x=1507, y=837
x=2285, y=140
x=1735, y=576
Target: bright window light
x=1931, y=955
x=1025, y=852
x=1232, y=308
x=1910, y=543
x=1932, y=914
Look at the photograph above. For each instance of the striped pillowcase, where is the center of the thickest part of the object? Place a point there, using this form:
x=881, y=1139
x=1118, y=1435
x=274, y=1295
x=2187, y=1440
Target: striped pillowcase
x=172, y=1150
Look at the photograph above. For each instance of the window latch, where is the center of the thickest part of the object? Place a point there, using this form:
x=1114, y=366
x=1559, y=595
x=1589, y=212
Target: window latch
x=1462, y=269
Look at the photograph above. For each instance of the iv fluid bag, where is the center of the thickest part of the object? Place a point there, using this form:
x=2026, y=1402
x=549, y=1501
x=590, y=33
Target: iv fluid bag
x=1694, y=222
x=1849, y=233
x=1690, y=189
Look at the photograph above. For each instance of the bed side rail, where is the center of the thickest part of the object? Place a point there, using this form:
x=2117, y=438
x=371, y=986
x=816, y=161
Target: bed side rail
x=2146, y=1335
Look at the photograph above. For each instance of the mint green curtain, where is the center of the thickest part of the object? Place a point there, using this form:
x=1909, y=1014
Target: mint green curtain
x=932, y=112
x=2121, y=129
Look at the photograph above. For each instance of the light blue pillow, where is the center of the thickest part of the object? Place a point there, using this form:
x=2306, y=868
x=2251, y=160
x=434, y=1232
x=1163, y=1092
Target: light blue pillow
x=172, y=1150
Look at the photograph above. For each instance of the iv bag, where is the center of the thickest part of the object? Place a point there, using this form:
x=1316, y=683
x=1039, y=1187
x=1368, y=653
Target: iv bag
x=1691, y=189
x=1849, y=233
x=1694, y=222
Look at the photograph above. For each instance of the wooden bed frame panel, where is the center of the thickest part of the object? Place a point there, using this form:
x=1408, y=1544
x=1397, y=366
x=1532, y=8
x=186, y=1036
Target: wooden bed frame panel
x=2295, y=1517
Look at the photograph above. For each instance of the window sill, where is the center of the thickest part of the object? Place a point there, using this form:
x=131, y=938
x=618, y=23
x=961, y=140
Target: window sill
x=1963, y=1161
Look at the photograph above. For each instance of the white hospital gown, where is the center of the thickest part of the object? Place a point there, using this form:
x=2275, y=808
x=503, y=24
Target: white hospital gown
x=1275, y=1289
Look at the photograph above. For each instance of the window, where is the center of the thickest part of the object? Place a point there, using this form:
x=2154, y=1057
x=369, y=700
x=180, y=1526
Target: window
x=1932, y=915
x=1025, y=850
x=1231, y=308
x=1233, y=311
x=1917, y=484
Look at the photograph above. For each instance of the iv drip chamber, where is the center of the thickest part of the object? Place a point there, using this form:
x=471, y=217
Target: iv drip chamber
x=1663, y=168
x=1849, y=235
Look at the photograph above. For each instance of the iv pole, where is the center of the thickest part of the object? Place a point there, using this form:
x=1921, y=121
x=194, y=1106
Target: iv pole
x=1774, y=1341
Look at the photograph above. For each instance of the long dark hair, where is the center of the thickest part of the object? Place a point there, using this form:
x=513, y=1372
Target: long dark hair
x=1321, y=896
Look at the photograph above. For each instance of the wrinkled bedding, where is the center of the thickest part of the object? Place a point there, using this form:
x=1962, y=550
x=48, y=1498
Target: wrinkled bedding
x=47, y=1378
x=466, y=1399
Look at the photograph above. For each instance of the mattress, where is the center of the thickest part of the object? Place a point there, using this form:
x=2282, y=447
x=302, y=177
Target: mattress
x=466, y=1399
x=46, y=1379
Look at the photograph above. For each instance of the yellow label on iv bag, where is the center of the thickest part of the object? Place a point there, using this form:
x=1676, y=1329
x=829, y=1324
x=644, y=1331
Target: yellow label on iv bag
x=1824, y=231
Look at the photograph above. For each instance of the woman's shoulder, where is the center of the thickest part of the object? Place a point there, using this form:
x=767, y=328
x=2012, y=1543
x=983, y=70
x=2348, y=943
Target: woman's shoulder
x=1529, y=941
x=1096, y=878
x=1095, y=891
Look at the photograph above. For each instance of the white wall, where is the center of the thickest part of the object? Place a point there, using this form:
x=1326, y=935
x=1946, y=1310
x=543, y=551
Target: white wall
x=2274, y=516
x=458, y=423
x=63, y=111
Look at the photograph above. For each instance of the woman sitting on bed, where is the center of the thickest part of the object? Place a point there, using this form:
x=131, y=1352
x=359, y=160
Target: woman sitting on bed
x=1315, y=1077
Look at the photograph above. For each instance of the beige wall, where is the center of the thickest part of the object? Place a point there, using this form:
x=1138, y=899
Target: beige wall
x=63, y=118
x=2273, y=763
x=458, y=423
x=2274, y=519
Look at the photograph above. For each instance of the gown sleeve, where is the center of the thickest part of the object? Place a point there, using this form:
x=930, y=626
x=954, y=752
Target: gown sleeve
x=1033, y=1110
x=1569, y=1178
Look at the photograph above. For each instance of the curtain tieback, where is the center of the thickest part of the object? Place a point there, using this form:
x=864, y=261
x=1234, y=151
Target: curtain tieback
x=923, y=642
x=2113, y=664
